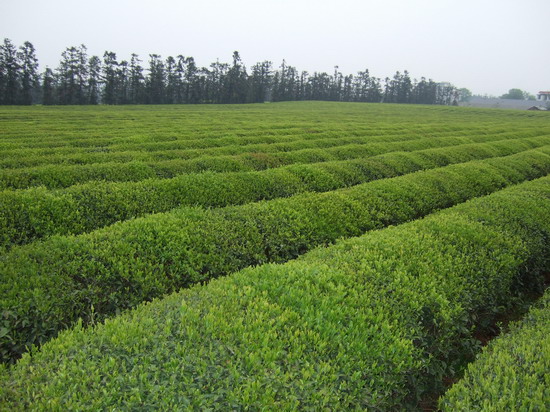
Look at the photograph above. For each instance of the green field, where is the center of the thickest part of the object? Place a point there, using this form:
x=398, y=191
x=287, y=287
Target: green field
x=298, y=256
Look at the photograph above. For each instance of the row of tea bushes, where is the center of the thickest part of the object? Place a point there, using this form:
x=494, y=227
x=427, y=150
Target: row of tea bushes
x=46, y=286
x=100, y=151
x=123, y=138
x=37, y=212
x=512, y=373
x=241, y=159
x=193, y=137
x=371, y=323
x=100, y=154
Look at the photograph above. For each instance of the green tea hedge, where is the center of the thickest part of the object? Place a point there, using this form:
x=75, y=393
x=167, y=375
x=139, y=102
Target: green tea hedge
x=512, y=373
x=89, y=150
x=240, y=158
x=371, y=323
x=47, y=286
x=26, y=215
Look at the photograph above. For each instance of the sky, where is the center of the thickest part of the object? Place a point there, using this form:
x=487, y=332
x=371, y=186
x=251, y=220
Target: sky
x=487, y=46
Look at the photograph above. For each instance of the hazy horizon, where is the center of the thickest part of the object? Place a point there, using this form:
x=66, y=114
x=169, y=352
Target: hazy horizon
x=488, y=47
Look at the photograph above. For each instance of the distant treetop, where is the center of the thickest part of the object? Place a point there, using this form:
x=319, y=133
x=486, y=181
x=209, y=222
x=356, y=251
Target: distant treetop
x=517, y=94
x=80, y=79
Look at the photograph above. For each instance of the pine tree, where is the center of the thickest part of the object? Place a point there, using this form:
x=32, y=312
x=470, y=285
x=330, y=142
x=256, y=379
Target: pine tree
x=260, y=82
x=73, y=76
x=136, y=82
x=94, y=79
x=122, y=83
x=9, y=73
x=48, y=87
x=81, y=72
x=237, y=81
x=179, y=81
x=336, y=86
x=110, y=65
x=304, y=89
x=194, y=89
x=28, y=64
x=216, y=82
x=156, y=81
x=347, y=90
x=172, y=81
x=405, y=88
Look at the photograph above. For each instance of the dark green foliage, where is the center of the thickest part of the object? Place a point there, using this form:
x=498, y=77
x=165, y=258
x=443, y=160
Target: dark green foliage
x=512, y=373
x=120, y=266
x=371, y=323
x=48, y=87
x=28, y=64
x=72, y=76
x=10, y=74
x=179, y=80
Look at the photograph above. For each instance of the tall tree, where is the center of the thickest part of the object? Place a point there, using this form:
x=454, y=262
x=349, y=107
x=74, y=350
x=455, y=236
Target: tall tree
x=94, y=79
x=424, y=92
x=192, y=83
x=172, y=81
x=320, y=86
x=48, y=87
x=347, y=91
x=304, y=89
x=285, y=83
x=215, y=80
x=179, y=81
x=156, y=81
x=237, y=81
x=122, y=82
x=336, y=85
x=73, y=76
x=405, y=88
x=136, y=86
x=366, y=88
x=9, y=73
x=82, y=75
x=260, y=82
x=28, y=64
x=3, y=75
x=446, y=94
x=110, y=78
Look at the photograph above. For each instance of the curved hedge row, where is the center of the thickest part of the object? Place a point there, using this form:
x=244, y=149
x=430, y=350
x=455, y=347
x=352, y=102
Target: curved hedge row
x=201, y=138
x=46, y=286
x=131, y=140
x=57, y=176
x=26, y=215
x=372, y=323
x=175, y=149
x=512, y=373
x=98, y=154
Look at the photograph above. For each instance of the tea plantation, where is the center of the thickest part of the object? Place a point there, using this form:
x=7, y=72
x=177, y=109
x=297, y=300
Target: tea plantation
x=288, y=256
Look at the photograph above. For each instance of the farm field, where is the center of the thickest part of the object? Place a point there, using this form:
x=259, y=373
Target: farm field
x=301, y=255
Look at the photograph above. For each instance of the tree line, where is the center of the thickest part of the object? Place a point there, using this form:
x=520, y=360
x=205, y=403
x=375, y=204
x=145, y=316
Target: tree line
x=81, y=79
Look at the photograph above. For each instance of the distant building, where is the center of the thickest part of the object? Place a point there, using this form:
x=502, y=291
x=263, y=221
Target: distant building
x=497, y=103
x=543, y=96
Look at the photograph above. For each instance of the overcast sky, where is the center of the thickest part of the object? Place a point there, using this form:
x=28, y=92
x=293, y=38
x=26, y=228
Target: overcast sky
x=488, y=46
